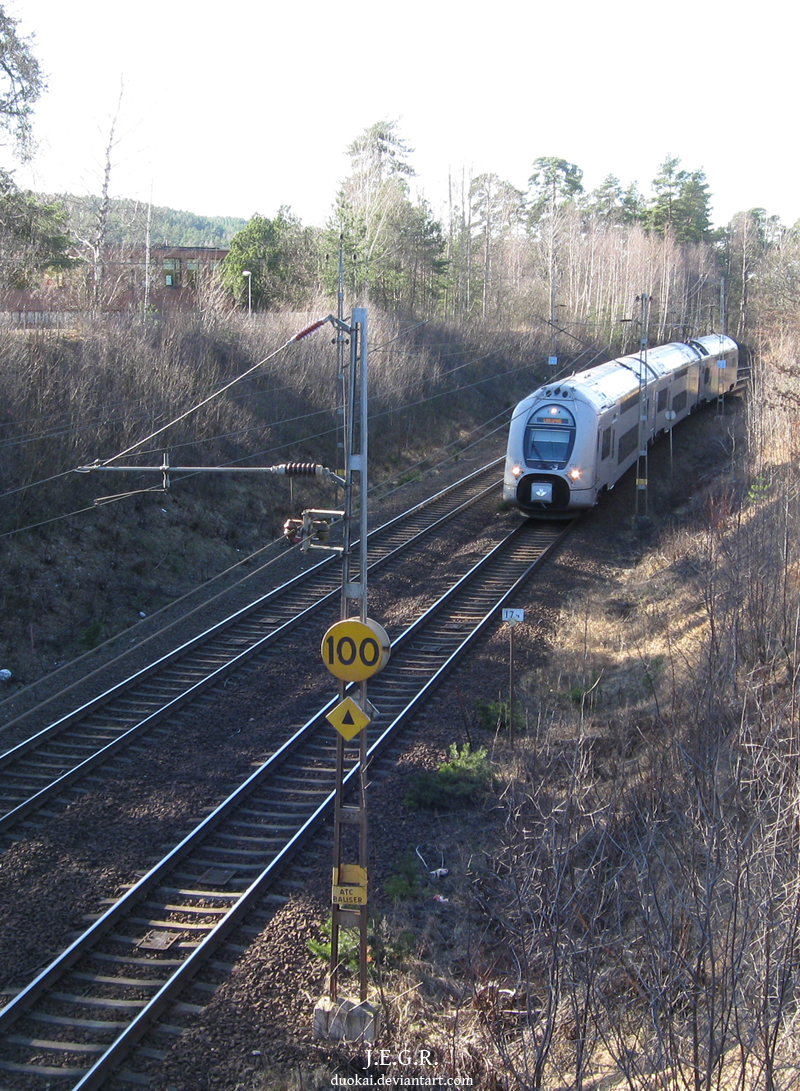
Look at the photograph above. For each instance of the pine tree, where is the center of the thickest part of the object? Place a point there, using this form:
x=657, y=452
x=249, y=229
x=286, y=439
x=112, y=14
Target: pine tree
x=280, y=256
x=553, y=183
x=393, y=247
x=21, y=84
x=681, y=205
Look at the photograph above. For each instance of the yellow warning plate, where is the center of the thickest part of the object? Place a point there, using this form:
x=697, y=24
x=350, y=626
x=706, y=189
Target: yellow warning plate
x=348, y=718
x=347, y=896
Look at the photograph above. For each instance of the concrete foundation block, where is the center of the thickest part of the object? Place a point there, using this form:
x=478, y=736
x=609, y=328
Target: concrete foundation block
x=346, y=1020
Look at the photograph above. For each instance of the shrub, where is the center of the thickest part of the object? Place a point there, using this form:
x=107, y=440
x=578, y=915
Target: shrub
x=493, y=716
x=458, y=782
x=348, y=946
x=383, y=949
x=405, y=883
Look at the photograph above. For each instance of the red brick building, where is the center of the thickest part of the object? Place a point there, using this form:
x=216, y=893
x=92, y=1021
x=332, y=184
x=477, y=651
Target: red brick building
x=169, y=278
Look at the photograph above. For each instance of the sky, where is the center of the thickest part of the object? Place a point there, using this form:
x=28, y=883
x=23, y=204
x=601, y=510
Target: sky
x=229, y=110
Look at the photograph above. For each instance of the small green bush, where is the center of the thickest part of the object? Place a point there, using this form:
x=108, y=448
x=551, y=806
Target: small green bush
x=92, y=635
x=382, y=948
x=583, y=693
x=405, y=883
x=493, y=716
x=759, y=489
x=458, y=782
x=348, y=946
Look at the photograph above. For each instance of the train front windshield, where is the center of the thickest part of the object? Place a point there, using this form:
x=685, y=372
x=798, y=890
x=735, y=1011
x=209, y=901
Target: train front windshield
x=549, y=435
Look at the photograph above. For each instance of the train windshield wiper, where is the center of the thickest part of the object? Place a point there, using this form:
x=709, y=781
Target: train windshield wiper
x=535, y=450
x=557, y=441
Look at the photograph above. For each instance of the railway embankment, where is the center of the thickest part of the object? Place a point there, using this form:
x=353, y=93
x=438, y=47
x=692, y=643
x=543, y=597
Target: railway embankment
x=77, y=573
x=623, y=899
x=621, y=891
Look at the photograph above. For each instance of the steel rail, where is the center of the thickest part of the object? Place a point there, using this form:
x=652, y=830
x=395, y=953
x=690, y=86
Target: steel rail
x=453, y=600
x=255, y=605
x=216, y=675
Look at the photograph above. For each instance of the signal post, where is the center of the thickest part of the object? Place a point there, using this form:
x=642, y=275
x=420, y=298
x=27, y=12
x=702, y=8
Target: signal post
x=353, y=650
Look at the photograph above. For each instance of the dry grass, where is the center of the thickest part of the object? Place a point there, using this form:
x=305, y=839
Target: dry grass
x=76, y=579
x=631, y=916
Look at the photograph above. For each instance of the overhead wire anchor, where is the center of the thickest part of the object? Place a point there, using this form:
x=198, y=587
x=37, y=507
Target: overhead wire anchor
x=286, y=469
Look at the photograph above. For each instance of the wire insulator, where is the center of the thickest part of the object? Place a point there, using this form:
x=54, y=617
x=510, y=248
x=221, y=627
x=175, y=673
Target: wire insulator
x=309, y=329
x=303, y=469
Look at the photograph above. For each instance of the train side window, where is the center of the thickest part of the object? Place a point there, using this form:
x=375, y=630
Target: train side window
x=706, y=375
x=679, y=402
x=606, y=448
x=661, y=404
x=627, y=443
x=629, y=402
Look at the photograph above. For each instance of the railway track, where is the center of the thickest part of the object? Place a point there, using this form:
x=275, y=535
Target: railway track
x=84, y=1014
x=49, y=762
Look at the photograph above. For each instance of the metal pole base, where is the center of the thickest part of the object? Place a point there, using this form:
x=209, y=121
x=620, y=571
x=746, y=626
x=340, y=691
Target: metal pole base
x=346, y=1020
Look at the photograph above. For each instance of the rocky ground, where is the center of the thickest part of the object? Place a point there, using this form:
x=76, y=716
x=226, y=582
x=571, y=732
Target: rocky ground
x=256, y=1031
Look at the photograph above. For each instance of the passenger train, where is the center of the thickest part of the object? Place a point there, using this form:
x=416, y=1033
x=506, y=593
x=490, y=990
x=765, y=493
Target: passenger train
x=575, y=437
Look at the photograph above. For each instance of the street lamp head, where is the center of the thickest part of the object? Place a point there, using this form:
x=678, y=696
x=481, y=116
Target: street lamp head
x=246, y=273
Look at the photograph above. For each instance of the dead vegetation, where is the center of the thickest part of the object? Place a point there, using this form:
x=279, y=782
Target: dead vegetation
x=626, y=913
x=76, y=573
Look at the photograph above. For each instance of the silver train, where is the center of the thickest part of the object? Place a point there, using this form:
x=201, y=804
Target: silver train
x=575, y=437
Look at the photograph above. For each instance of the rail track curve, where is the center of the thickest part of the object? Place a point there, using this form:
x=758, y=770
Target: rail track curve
x=85, y=1012
x=46, y=764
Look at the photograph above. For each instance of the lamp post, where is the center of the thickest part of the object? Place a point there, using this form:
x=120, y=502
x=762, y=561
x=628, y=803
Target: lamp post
x=249, y=275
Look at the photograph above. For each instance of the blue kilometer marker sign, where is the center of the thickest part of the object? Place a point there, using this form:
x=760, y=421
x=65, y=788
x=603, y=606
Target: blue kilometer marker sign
x=513, y=616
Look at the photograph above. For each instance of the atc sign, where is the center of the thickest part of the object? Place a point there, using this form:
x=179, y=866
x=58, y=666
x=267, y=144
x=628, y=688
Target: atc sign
x=355, y=650
x=348, y=718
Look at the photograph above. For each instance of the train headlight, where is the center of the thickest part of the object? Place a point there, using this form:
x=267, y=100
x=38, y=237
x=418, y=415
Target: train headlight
x=574, y=475
x=517, y=471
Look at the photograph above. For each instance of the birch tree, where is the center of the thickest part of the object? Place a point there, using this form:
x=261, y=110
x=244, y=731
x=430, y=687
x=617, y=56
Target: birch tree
x=496, y=212
x=388, y=239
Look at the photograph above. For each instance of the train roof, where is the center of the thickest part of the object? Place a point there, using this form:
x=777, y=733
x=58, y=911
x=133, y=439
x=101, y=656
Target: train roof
x=605, y=384
x=715, y=344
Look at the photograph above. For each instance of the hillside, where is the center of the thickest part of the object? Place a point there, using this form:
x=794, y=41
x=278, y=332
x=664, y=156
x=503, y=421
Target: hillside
x=621, y=907
x=78, y=573
x=627, y=892
x=127, y=223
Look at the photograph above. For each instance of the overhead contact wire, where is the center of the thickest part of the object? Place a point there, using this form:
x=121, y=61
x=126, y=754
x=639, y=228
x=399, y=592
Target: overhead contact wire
x=216, y=394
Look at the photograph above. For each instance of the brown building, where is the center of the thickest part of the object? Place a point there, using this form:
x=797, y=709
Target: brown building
x=169, y=278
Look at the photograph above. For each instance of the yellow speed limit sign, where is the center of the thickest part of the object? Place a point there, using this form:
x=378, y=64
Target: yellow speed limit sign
x=355, y=650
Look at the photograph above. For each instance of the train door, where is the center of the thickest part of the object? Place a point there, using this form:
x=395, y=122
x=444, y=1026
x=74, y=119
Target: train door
x=705, y=382
x=605, y=451
x=693, y=384
x=662, y=405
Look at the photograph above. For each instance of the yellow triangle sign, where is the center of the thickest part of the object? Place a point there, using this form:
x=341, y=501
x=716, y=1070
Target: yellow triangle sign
x=348, y=718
